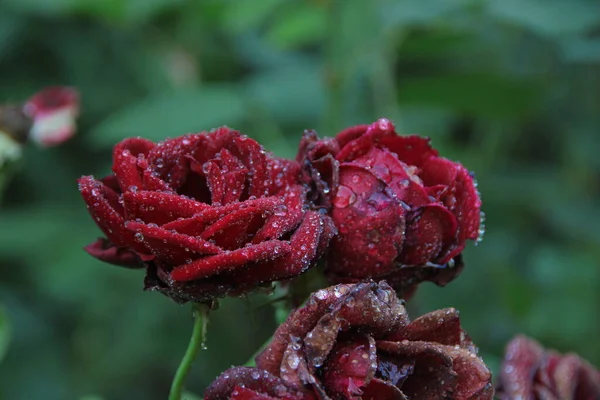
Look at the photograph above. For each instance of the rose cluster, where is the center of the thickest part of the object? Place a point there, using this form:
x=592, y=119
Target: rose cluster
x=212, y=214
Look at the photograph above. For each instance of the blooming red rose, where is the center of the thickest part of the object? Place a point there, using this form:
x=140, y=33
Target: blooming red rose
x=207, y=214
x=357, y=342
x=399, y=207
x=53, y=111
x=529, y=372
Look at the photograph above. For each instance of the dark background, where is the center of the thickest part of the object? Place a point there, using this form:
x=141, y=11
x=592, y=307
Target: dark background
x=511, y=88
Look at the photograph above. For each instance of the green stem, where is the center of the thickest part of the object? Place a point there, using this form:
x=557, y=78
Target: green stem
x=200, y=312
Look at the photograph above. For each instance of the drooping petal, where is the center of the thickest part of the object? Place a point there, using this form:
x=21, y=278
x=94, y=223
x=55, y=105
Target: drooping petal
x=105, y=250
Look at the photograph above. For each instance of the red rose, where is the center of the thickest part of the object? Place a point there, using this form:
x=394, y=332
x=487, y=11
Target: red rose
x=208, y=214
x=357, y=342
x=398, y=206
x=529, y=372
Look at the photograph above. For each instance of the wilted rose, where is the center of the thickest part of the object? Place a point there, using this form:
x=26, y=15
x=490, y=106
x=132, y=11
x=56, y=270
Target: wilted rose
x=529, y=372
x=53, y=111
x=403, y=212
x=357, y=342
x=207, y=214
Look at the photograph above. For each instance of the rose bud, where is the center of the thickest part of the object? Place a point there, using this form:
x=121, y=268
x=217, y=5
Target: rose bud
x=357, y=342
x=399, y=207
x=529, y=372
x=207, y=214
x=53, y=111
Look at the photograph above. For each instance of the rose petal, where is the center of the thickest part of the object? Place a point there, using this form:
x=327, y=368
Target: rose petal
x=230, y=260
x=440, y=326
x=252, y=379
x=159, y=207
x=523, y=357
x=350, y=366
x=105, y=250
x=168, y=245
x=427, y=231
x=106, y=217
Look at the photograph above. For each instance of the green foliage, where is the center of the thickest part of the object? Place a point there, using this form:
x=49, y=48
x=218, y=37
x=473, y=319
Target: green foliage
x=5, y=333
x=509, y=88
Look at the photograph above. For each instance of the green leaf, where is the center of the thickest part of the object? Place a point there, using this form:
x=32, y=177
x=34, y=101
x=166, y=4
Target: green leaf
x=408, y=12
x=5, y=332
x=548, y=17
x=578, y=50
x=292, y=94
x=301, y=25
x=486, y=95
x=244, y=15
x=173, y=114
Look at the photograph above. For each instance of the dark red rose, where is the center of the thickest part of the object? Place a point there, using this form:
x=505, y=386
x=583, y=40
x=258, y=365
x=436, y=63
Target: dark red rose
x=207, y=214
x=529, y=372
x=53, y=111
x=357, y=342
x=399, y=207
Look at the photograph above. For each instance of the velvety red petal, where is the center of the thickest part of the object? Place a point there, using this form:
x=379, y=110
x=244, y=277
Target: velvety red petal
x=400, y=180
x=433, y=376
x=371, y=228
x=439, y=326
x=196, y=224
x=169, y=245
x=106, y=217
x=125, y=162
x=105, y=250
x=170, y=159
x=252, y=379
x=230, y=260
x=235, y=229
x=350, y=366
x=303, y=244
x=381, y=390
x=438, y=171
x=241, y=393
x=427, y=232
x=159, y=207
x=412, y=150
x=350, y=134
x=286, y=216
x=523, y=357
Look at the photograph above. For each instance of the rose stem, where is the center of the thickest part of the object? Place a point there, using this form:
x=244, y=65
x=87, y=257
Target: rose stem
x=200, y=313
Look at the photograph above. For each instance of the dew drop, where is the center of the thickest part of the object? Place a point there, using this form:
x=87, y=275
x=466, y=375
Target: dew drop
x=138, y=237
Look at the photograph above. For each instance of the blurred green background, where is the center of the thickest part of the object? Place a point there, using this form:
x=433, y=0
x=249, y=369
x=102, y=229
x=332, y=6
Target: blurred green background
x=511, y=88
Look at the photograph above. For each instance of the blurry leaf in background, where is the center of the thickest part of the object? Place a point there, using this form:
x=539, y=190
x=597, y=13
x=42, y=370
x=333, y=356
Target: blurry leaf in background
x=5, y=332
x=548, y=17
x=471, y=93
x=173, y=114
x=301, y=23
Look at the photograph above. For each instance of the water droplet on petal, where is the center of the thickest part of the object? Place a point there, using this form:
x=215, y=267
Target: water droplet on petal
x=344, y=197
